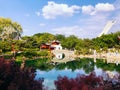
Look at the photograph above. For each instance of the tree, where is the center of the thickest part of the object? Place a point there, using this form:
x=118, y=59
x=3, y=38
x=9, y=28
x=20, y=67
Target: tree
x=14, y=78
x=81, y=82
x=87, y=82
x=108, y=41
x=5, y=46
x=60, y=37
x=70, y=42
x=9, y=30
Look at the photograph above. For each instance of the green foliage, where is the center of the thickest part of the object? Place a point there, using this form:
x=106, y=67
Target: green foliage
x=32, y=54
x=60, y=37
x=36, y=40
x=107, y=66
x=86, y=63
x=109, y=40
x=43, y=37
x=29, y=54
x=39, y=64
x=44, y=53
x=5, y=46
x=9, y=30
x=70, y=42
x=82, y=46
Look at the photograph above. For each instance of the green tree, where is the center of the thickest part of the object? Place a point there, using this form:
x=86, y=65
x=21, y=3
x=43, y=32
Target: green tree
x=70, y=42
x=60, y=37
x=9, y=30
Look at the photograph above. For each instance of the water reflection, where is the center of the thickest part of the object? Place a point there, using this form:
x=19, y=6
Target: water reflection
x=52, y=75
x=71, y=69
x=86, y=64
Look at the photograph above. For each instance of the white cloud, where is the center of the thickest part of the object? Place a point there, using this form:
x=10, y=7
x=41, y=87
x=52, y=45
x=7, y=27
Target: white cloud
x=87, y=9
x=99, y=8
x=104, y=7
x=37, y=13
x=66, y=30
x=70, y=30
x=52, y=10
x=42, y=24
x=88, y=27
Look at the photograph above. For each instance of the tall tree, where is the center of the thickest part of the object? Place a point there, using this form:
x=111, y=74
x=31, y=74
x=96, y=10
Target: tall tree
x=9, y=29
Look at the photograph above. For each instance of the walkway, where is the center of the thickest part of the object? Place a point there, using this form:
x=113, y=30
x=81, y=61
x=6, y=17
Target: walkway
x=69, y=56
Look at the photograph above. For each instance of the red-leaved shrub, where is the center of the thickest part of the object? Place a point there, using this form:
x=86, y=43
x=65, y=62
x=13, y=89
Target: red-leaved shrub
x=87, y=82
x=14, y=78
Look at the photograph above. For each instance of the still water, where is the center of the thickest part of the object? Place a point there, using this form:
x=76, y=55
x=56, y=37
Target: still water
x=72, y=69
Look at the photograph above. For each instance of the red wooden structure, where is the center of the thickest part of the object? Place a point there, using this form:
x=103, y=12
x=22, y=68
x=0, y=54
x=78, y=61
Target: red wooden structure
x=44, y=46
x=119, y=38
x=55, y=43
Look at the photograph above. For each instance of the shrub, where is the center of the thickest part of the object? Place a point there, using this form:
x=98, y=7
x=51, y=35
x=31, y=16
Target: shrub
x=14, y=78
x=90, y=82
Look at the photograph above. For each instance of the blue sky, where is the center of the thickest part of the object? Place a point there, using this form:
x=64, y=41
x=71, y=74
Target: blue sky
x=83, y=18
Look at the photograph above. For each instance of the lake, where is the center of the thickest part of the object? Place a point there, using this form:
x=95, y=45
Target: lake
x=72, y=69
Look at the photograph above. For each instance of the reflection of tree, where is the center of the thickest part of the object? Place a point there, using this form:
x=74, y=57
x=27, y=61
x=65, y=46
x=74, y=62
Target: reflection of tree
x=39, y=64
x=70, y=65
x=60, y=67
x=88, y=68
x=107, y=66
x=117, y=68
x=86, y=64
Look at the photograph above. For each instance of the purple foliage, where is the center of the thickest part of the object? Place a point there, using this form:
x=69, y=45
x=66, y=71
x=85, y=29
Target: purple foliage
x=14, y=78
x=84, y=82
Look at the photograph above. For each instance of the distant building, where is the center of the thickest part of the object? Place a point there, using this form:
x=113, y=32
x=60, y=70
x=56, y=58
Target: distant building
x=119, y=38
x=44, y=46
x=54, y=45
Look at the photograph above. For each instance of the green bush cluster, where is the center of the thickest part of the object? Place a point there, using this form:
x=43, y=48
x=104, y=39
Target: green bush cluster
x=30, y=54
